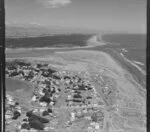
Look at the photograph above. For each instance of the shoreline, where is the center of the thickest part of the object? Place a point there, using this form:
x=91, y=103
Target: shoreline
x=138, y=76
x=133, y=64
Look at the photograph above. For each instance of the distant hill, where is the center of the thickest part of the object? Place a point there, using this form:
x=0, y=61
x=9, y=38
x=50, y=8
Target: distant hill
x=20, y=32
x=32, y=30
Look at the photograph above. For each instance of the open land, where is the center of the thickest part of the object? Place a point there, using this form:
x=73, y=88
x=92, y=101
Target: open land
x=73, y=91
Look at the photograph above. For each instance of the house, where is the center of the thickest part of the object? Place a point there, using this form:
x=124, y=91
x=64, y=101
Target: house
x=77, y=100
x=67, y=77
x=81, y=87
x=56, y=77
x=89, y=97
x=33, y=98
x=72, y=116
x=45, y=99
x=15, y=73
x=77, y=96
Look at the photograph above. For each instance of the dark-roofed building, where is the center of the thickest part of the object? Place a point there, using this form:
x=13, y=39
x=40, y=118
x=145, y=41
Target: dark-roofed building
x=77, y=96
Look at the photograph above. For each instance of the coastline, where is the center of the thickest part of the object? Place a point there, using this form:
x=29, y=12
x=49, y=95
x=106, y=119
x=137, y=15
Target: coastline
x=138, y=76
x=133, y=64
x=94, y=41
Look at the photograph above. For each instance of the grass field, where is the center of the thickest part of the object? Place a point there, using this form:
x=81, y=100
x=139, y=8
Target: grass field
x=14, y=84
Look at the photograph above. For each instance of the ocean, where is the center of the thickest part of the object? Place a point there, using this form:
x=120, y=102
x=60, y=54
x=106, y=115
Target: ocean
x=130, y=51
x=132, y=46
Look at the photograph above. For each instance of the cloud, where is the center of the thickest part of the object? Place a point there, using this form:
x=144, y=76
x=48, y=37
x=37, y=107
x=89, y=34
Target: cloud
x=54, y=3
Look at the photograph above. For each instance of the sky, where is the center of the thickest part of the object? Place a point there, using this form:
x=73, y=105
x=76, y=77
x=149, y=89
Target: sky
x=95, y=15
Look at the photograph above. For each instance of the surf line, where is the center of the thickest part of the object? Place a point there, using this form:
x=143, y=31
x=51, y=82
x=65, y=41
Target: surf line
x=133, y=64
